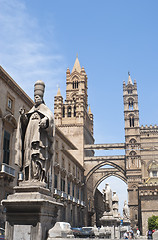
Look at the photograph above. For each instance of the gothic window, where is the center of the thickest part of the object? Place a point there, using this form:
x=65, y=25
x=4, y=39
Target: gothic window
x=63, y=111
x=132, y=141
x=74, y=111
x=131, y=121
x=6, y=147
x=153, y=169
x=132, y=153
x=63, y=162
x=69, y=111
x=75, y=84
x=130, y=104
x=129, y=91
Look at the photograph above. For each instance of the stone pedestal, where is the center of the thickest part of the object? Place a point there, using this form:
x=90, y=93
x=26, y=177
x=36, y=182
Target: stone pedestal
x=30, y=212
x=110, y=225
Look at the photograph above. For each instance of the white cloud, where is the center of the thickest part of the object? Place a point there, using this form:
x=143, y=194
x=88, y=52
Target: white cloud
x=25, y=53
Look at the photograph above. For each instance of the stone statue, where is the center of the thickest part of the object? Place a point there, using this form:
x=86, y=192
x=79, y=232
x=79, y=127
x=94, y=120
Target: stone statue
x=34, y=138
x=125, y=211
x=108, y=198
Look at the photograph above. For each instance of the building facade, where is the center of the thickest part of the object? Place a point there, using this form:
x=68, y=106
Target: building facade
x=141, y=161
x=12, y=99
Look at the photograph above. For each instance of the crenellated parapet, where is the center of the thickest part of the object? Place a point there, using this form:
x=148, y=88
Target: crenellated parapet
x=146, y=130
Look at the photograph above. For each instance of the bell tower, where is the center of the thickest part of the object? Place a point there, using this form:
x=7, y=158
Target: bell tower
x=73, y=117
x=132, y=140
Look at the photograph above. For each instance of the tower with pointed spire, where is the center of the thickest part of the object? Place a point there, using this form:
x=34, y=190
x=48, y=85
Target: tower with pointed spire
x=132, y=141
x=73, y=117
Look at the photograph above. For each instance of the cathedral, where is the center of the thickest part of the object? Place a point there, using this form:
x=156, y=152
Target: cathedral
x=75, y=171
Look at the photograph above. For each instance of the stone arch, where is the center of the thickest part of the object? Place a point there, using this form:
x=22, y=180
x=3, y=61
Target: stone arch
x=106, y=162
x=134, y=186
x=123, y=178
x=151, y=162
x=132, y=141
x=75, y=74
x=132, y=153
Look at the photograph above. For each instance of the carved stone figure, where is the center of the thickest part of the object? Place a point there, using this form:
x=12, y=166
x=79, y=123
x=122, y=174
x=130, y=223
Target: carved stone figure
x=108, y=198
x=125, y=211
x=34, y=138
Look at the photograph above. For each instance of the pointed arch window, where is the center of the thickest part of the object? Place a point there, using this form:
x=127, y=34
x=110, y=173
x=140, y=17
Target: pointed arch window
x=74, y=111
x=63, y=111
x=130, y=104
x=132, y=141
x=131, y=121
x=69, y=111
x=132, y=153
x=129, y=91
x=75, y=84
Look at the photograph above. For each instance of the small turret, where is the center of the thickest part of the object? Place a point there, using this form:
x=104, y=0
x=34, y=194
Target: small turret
x=58, y=107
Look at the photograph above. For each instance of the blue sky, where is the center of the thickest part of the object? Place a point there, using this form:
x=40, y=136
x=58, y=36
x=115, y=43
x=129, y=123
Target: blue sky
x=40, y=39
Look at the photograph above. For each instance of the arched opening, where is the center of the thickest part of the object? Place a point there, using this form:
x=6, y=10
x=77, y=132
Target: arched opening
x=74, y=111
x=131, y=121
x=130, y=104
x=63, y=111
x=69, y=111
x=117, y=185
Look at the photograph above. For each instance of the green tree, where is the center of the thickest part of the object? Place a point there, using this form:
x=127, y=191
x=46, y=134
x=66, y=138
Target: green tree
x=153, y=222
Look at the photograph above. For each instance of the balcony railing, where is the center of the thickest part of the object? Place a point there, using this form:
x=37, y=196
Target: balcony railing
x=63, y=196
x=70, y=198
x=57, y=192
x=74, y=200
x=5, y=168
x=66, y=197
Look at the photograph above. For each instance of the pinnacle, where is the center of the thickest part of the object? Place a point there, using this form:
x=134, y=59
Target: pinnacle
x=89, y=111
x=58, y=93
x=76, y=66
x=129, y=79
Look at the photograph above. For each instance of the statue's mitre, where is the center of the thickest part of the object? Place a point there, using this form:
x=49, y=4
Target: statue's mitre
x=39, y=88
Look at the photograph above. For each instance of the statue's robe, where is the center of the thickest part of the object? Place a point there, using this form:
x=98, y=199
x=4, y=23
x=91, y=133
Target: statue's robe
x=33, y=142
